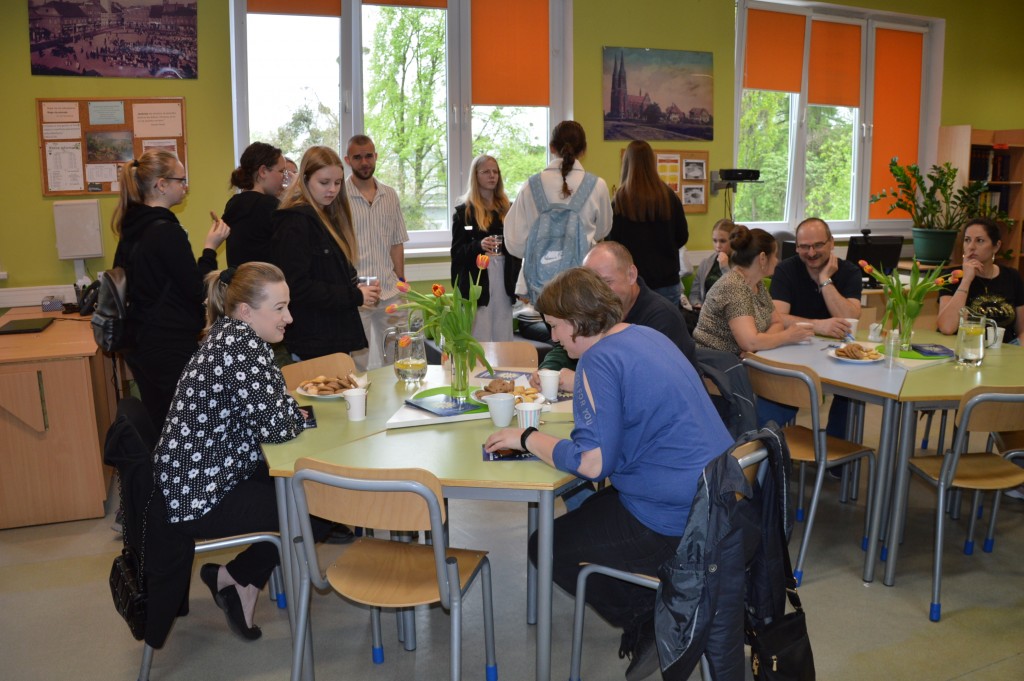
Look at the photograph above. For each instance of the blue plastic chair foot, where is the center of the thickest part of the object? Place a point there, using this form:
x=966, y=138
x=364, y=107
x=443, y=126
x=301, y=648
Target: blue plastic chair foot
x=798, y=575
x=988, y=545
x=968, y=548
x=282, y=601
x=935, y=612
x=864, y=544
x=378, y=655
x=799, y=515
x=492, y=673
x=884, y=553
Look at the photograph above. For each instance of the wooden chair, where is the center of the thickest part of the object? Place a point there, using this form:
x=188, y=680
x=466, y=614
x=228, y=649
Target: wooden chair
x=983, y=410
x=338, y=364
x=381, y=573
x=800, y=387
x=519, y=354
x=750, y=457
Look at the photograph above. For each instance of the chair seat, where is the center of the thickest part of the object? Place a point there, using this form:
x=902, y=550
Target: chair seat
x=391, y=574
x=979, y=470
x=801, y=446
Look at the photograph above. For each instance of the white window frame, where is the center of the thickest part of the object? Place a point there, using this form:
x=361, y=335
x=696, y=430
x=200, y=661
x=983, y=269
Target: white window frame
x=350, y=95
x=870, y=20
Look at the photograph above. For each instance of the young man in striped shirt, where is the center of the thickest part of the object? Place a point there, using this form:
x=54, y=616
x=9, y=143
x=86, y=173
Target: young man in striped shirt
x=381, y=235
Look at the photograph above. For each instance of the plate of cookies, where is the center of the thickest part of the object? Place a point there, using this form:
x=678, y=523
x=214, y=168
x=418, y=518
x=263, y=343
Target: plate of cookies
x=856, y=353
x=522, y=393
x=327, y=386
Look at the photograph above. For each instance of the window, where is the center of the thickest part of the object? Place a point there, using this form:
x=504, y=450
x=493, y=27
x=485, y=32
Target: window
x=410, y=74
x=827, y=96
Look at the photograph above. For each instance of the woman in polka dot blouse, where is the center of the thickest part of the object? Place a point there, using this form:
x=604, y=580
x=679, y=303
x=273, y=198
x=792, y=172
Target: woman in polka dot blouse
x=208, y=464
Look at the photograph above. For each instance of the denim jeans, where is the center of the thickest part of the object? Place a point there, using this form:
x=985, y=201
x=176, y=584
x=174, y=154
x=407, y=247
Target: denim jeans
x=670, y=293
x=602, y=531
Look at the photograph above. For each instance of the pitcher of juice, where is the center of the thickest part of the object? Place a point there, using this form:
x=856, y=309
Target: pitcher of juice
x=970, y=337
x=405, y=344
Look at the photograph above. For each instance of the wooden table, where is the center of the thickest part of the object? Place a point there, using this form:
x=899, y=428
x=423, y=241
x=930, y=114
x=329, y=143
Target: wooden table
x=452, y=452
x=56, y=402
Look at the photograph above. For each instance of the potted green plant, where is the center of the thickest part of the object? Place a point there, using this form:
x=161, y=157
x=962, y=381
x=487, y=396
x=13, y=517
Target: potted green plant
x=937, y=208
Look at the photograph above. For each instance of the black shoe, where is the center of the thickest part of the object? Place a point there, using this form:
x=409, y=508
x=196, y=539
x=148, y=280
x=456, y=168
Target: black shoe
x=227, y=600
x=340, y=534
x=642, y=650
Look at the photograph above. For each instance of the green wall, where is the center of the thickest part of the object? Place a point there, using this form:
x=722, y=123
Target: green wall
x=982, y=86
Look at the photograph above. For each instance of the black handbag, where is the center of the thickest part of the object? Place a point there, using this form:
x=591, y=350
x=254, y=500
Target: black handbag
x=126, y=587
x=781, y=650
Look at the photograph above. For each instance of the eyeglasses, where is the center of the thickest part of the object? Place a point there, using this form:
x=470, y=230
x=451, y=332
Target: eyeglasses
x=183, y=180
x=803, y=248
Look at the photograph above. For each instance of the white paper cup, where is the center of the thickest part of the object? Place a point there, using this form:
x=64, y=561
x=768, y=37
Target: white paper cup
x=355, y=402
x=853, y=325
x=528, y=414
x=501, y=406
x=997, y=341
x=549, y=384
x=807, y=325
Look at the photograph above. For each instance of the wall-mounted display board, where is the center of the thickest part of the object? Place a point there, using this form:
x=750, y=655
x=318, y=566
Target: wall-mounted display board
x=84, y=142
x=686, y=173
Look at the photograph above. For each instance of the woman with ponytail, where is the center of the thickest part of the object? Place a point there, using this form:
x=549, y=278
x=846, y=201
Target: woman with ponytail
x=560, y=180
x=165, y=281
x=314, y=243
x=208, y=465
x=260, y=178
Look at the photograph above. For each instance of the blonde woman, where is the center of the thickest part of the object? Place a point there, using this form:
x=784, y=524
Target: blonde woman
x=477, y=227
x=315, y=245
x=166, y=293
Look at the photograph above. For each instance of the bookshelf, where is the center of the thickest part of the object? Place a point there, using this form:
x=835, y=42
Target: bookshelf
x=996, y=157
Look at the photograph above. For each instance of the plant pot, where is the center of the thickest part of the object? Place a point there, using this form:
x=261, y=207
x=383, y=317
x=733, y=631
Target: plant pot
x=933, y=246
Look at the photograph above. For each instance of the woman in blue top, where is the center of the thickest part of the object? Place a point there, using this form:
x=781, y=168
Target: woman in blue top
x=643, y=419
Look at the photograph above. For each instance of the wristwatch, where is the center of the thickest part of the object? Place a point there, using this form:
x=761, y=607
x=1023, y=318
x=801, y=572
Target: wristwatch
x=825, y=283
x=526, y=434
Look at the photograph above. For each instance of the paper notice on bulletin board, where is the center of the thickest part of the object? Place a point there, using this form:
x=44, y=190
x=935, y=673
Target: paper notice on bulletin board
x=670, y=169
x=64, y=166
x=157, y=119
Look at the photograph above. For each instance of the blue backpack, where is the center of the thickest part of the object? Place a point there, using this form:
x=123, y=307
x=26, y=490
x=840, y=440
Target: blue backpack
x=556, y=241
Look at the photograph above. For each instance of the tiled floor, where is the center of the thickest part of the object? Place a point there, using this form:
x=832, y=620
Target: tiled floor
x=57, y=621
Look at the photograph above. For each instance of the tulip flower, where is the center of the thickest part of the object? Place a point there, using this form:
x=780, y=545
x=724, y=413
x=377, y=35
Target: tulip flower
x=404, y=341
x=392, y=308
x=940, y=282
x=959, y=274
x=438, y=290
x=403, y=287
x=482, y=261
x=863, y=264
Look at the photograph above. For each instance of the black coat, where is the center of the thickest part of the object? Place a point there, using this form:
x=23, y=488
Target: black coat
x=466, y=238
x=322, y=283
x=249, y=216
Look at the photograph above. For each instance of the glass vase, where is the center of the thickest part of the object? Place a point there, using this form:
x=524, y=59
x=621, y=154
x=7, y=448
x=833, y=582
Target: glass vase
x=906, y=327
x=459, y=358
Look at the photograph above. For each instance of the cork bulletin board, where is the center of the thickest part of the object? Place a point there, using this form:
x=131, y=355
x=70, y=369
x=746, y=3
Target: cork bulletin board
x=686, y=173
x=84, y=142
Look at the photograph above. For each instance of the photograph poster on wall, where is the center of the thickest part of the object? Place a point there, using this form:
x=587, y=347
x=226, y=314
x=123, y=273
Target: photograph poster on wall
x=685, y=173
x=650, y=94
x=123, y=39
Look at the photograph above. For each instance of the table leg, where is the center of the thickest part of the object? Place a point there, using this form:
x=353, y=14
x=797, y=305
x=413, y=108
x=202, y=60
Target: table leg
x=883, y=466
x=287, y=519
x=545, y=570
x=531, y=569
x=899, y=490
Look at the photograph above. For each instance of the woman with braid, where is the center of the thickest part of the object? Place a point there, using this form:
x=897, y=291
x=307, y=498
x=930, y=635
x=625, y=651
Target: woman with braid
x=560, y=180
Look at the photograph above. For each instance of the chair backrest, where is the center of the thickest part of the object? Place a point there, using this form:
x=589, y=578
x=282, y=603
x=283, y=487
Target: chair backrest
x=750, y=456
x=338, y=364
x=348, y=499
x=510, y=354
x=868, y=315
x=988, y=409
x=789, y=384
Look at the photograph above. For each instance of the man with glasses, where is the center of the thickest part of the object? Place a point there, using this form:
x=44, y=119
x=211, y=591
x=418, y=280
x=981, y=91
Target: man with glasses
x=817, y=287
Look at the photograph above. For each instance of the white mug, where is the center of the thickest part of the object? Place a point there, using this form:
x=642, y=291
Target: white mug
x=355, y=402
x=548, y=384
x=853, y=325
x=501, y=406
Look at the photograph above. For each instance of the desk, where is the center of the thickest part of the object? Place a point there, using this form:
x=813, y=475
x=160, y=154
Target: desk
x=452, y=452
x=871, y=383
x=940, y=387
x=56, y=402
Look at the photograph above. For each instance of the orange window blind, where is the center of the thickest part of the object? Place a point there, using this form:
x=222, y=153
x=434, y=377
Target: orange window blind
x=833, y=77
x=897, y=97
x=774, y=54
x=515, y=72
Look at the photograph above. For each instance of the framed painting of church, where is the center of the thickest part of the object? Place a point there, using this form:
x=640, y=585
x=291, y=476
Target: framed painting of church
x=650, y=94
